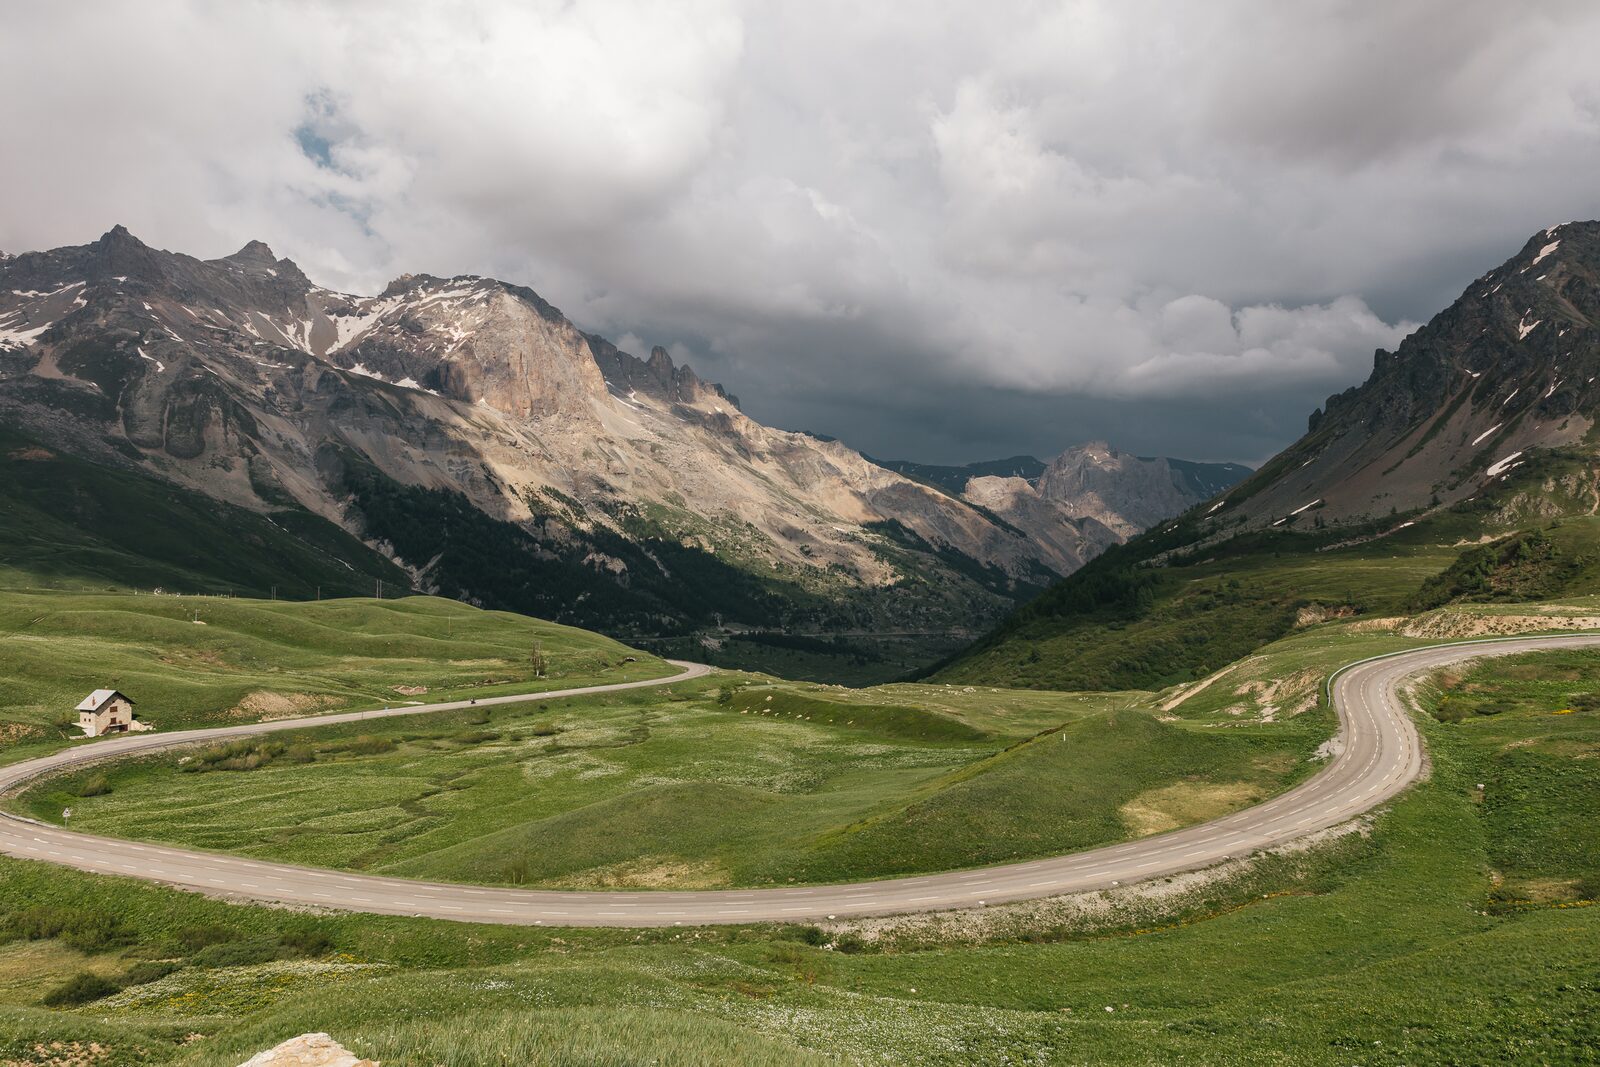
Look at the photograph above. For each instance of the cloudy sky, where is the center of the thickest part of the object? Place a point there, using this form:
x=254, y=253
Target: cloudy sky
x=941, y=230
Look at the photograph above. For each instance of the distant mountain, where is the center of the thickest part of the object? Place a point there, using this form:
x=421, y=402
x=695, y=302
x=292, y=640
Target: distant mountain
x=1205, y=480
x=1466, y=466
x=953, y=480
x=1130, y=493
x=1511, y=366
x=466, y=432
x=1118, y=491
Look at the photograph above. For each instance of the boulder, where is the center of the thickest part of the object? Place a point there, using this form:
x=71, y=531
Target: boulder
x=308, y=1050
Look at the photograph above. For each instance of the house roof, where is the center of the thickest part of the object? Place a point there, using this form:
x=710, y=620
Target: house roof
x=97, y=699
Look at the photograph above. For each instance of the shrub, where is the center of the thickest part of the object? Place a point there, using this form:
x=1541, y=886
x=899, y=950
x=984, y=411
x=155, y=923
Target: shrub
x=238, y=953
x=365, y=745
x=96, y=932
x=306, y=941
x=148, y=971
x=849, y=944
x=476, y=737
x=1496, y=707
x=195, y=938
x=96, y=785
x=301, y=753
x=790, y=954
x=243, y=755
x=81, y=988
x=81, y=928
x=811, y=935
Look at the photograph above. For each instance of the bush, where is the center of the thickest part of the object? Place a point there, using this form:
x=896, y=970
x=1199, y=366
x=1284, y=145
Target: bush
x=811, y=935
x=96, y=785
x=517, y=871
x=81, y=928
x=238, y=953
x=306, y=941
x=849, y=944
x=81, y=988
x=195, y=938
x=301, y=753
x=476, y=737
x=1496, y=707
x=148, y=971
x=243, y=755
x=365, y=745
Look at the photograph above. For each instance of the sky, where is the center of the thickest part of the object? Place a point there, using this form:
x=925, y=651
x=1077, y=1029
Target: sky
x=939, y=231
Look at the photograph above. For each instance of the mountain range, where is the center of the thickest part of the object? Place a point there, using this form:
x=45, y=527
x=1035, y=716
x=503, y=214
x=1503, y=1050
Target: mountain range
x=1466, y=466
x=462, y=436
x=1509, y=367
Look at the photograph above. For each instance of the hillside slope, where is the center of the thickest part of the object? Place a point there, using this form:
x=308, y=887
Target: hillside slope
x=1476, y=432
x=467, y=430
x=1092, y=481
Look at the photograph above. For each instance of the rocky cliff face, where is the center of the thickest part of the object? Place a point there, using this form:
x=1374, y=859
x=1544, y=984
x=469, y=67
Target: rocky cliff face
x=1094, y=487
x=1126, y=493
x=467, y=427
x=1509, y=367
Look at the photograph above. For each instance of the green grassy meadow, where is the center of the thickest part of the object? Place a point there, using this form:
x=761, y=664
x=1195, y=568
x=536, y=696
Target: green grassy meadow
x=68, y=523
x=724, y=781
x=1443, y=934
x=1460, y=925
x=1175, y=605
x=248, y=659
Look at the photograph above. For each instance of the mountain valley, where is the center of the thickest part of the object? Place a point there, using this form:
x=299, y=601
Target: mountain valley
x=1468, y=454
x=482, y=447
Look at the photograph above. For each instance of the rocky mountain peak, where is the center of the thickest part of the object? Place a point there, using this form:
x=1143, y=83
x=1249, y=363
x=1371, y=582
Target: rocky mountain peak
x=253, y=252
x=1096, y=451
x=119, y=253
x=468, y=426
x=258, y=260
x=1125, y=492
x=1511, y=365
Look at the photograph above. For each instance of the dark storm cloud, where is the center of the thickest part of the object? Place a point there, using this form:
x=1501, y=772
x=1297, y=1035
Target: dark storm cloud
x=939, y=230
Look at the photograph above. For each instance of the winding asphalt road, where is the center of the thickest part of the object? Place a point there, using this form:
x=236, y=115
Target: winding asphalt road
x=1379, y=754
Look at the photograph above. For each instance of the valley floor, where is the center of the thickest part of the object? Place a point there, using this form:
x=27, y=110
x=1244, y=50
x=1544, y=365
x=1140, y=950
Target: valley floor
x=1458, y=925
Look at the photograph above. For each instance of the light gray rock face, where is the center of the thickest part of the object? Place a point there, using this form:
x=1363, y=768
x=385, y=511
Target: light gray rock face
x=1125, y=493
x=1093, y=496
x=308, y=1050
x=241, y=379
x=1071, y=539
x=1511, y=366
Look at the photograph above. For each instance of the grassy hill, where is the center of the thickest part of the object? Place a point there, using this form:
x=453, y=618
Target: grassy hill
x=1457, y=927
x=194, y=661
x=67, y=523
x=722, y=781
x=1176, y=604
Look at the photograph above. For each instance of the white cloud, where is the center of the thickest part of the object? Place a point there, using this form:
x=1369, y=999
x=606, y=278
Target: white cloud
x=1137, y=199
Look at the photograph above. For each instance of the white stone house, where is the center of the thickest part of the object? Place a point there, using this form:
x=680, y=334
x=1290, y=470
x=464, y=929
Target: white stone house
x=106, y=711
